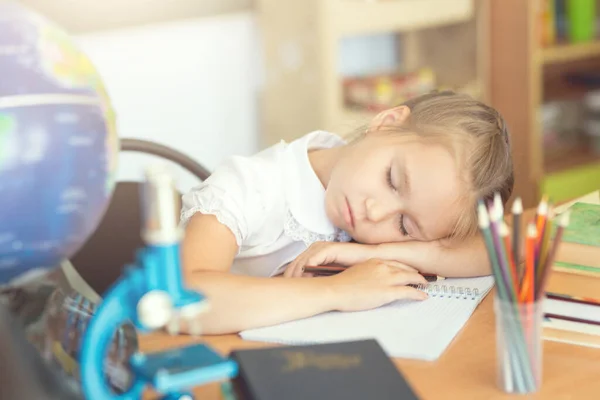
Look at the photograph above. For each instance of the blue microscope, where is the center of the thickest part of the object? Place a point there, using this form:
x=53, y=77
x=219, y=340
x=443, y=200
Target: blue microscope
x=151, y=295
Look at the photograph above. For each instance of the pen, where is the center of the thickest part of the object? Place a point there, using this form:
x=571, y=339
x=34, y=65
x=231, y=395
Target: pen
x=328, y=270
x=433, y=278
x=570, y=319
x=573, y=299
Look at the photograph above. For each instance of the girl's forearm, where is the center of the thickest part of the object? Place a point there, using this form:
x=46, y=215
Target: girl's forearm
x=243, y=302
x=466, y=259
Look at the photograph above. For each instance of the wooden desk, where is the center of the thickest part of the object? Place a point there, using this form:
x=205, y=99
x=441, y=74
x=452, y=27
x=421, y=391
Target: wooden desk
x=467, y=369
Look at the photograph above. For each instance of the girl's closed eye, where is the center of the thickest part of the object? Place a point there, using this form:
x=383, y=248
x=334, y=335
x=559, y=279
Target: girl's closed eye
x=403, y=230
x=390, y=181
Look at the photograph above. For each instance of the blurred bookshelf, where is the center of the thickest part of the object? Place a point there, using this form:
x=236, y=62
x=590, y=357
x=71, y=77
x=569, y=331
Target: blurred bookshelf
x=541, y=80
x=569, y=158
x=440, y=44
x=566, y=52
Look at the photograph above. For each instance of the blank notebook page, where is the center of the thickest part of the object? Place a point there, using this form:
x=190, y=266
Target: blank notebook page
x=407, y=329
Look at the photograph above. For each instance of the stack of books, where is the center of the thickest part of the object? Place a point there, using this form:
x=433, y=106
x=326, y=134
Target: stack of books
x=579, y=251
x=572, y=319
x=572, y=306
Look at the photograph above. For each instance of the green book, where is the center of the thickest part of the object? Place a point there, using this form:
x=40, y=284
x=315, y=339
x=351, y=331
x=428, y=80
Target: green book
x=583, y=268
x=584, y=225
x=579, y=250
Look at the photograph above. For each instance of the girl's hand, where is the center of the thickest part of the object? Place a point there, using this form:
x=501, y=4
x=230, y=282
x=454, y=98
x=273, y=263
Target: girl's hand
x=373, y=284
x=326, y=253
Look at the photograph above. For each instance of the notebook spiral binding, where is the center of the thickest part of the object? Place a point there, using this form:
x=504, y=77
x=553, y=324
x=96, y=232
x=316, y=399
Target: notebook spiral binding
x=458, y=292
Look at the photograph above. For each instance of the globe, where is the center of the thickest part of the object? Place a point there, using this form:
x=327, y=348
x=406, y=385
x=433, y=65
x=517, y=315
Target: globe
x=58, y=144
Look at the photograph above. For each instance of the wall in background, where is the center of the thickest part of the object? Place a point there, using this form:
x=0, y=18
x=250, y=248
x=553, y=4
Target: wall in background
x=79, y=16
x=190, y=84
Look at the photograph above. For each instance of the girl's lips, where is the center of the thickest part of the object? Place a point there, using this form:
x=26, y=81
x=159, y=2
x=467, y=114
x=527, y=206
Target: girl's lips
x=348, y=216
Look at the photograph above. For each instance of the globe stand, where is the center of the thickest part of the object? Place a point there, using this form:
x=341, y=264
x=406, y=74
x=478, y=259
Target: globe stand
x=152, y=296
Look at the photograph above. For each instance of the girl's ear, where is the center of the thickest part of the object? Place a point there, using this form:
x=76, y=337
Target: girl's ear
x=394, y=116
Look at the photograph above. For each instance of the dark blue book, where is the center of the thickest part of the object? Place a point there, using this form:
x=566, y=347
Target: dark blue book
x=358, y=370
x=560, y=17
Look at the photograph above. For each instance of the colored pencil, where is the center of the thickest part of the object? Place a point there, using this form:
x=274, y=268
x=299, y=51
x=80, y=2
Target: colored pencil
x=520, y=288
x=563, y=222
x=500, y=250
x=545, y=242
x=540, y=222
x=498, y=203
x=572, y=319
x=573, y=299
x=526, y=294
x=513, y=331
x=484, y=226
x=517, y=210
x=527, y=291
x=504, y=234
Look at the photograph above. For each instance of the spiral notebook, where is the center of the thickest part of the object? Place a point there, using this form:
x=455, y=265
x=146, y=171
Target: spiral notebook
x=406, y=329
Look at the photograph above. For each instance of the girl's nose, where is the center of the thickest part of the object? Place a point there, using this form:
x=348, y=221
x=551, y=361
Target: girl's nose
x=377, y=212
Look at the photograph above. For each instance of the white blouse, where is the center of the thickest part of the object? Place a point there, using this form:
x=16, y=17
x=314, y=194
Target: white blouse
x=273, y=202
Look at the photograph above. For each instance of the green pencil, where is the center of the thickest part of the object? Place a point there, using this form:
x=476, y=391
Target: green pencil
x=484, y=226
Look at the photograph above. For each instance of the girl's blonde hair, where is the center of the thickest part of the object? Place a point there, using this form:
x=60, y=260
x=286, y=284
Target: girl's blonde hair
x=478, y=137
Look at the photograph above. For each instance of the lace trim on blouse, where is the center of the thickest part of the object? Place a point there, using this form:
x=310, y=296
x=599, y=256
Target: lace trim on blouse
x=293, y=229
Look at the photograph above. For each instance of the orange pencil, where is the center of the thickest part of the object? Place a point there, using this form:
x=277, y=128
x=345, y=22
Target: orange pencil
x=526, y=294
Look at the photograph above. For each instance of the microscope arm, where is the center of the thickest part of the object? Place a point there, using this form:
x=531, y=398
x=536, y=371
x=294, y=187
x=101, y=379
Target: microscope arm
x=110, y=315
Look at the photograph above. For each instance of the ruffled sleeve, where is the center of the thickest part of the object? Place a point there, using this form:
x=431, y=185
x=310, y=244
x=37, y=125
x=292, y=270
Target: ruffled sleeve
x=235, y=194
